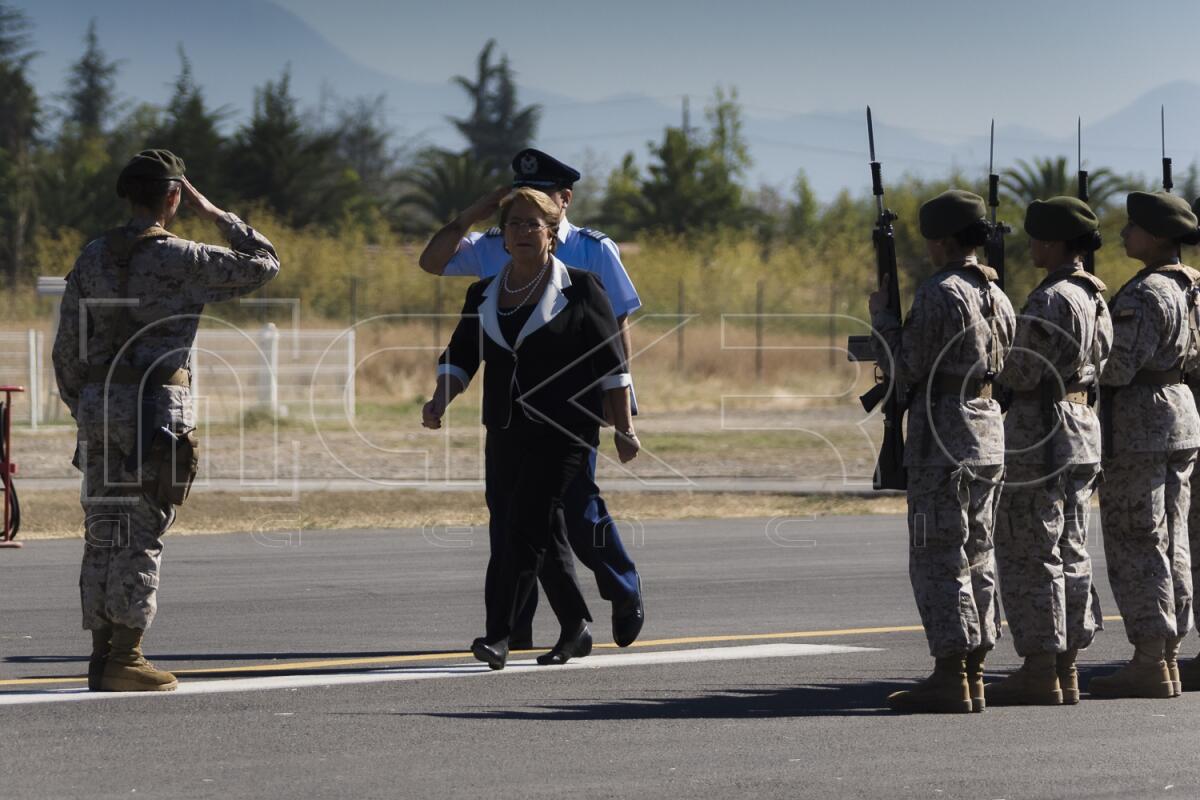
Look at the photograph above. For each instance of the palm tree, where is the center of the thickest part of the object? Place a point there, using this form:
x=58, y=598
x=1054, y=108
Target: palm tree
x=1049, y=177
x=442, y=185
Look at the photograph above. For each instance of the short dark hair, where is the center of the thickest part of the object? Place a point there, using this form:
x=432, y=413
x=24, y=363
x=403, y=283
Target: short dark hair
x=974, y=235
x=1089, y=242
x=1190, y=238
x=148, y=193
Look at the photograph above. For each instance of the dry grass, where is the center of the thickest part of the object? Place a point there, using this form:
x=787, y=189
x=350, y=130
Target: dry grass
x=56, y=514
x=798, y=369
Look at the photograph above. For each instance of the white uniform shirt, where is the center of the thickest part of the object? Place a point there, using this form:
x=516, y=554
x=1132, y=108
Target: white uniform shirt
x=482, y=255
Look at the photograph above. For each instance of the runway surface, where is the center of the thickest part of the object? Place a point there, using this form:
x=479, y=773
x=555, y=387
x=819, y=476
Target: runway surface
x=334, y=665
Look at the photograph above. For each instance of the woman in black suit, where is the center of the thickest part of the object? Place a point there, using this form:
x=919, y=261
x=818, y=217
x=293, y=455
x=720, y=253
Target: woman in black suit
x=554, y=361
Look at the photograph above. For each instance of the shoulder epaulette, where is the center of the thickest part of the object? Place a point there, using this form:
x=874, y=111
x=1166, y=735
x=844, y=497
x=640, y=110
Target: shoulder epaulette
x=1088, y=280
x=494, y=232
x=592, y=233
x=1189, y=274
x=122, y=242
x=983, y=270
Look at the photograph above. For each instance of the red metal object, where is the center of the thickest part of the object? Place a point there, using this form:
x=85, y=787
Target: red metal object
x=12, y=511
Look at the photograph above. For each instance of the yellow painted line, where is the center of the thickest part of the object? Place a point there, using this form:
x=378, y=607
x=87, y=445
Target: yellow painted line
x=425, y=657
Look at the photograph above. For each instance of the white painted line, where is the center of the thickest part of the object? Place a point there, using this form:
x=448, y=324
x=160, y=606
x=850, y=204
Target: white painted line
x=522, y=667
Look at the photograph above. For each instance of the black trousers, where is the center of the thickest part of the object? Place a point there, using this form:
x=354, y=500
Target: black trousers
x=529, y=470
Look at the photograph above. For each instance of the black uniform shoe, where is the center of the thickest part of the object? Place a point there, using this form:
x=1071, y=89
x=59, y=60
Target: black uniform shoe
x=494, y=654
x=575, y=644
x=627, y=621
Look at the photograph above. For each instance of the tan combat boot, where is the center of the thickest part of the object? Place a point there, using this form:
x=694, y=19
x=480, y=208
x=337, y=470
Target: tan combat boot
x=96, y=662
x=1146, y=675
x=1189, y=675
x=128, y=670
x=1068, y=676
x=1171, y=656
x=944, y=692
x=1034, y=684
x=975, y=660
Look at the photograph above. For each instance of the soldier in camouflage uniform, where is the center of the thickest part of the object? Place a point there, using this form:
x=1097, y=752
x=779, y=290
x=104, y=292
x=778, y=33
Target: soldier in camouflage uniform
x=1148, y=457
x=953, y=342
x=1189, y=671
x=1052, y=459
x=122, y=358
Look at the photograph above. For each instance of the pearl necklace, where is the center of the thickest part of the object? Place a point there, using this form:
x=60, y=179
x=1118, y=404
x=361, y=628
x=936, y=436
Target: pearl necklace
x=505, y=312
x=536, y=278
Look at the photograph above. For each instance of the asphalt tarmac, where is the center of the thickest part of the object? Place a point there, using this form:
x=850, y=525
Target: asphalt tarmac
x=332, y=665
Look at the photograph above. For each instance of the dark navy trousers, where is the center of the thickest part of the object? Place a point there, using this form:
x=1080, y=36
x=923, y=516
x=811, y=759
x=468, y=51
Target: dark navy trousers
x=594, y=539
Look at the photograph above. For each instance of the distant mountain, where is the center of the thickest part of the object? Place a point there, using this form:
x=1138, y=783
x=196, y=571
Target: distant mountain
x=236, y=45
x=1131, y=135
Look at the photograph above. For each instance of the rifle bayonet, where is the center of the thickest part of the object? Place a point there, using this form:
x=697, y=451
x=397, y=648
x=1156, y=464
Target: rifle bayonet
x=994, y=247
x=889, y=469
x=1162, y=126
x=1081, y=189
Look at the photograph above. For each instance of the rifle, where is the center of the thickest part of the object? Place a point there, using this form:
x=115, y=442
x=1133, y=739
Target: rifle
x=1162, y=126
x=1081, y=189
x=889, y=469
x=993, y=248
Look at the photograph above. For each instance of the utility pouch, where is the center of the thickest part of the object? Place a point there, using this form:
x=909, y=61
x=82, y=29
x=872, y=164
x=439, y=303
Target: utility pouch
x=173, y=460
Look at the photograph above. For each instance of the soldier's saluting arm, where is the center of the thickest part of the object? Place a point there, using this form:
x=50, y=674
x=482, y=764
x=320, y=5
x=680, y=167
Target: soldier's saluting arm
x=222, y=273
x=452, y=243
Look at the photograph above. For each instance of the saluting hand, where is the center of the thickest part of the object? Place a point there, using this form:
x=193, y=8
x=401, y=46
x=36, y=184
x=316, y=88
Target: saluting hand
x=198, y=202
x=486, y=206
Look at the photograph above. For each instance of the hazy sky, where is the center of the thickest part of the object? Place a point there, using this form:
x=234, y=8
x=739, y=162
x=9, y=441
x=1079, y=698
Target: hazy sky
x=939, y=66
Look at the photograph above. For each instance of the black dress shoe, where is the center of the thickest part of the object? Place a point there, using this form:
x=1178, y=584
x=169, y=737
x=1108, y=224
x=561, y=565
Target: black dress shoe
x=627, y=622
x=494, y=654
x=576, y=644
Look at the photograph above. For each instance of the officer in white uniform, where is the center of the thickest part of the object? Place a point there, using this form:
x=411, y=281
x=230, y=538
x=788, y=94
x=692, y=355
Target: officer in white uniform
x=454, y=250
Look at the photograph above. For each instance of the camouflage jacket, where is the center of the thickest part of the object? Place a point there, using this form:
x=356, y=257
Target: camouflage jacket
x=1064, y=335
x=169, y=281
x=1151, y=332
x=961, y=324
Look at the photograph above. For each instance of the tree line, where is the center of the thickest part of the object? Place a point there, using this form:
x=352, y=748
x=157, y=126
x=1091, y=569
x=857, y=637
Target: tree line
x=59, y=158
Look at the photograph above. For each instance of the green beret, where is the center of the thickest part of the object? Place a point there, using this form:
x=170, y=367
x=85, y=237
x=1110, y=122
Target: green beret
x=950, y=212
x=150, y=165
x=1161, y=214
x=1059, y=219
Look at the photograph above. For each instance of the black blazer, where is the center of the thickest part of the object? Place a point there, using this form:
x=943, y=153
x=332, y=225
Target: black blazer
x=565, y=356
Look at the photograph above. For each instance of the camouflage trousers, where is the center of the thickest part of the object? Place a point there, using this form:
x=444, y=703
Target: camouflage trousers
x=1143, y=513
x=1194, y=539
x=951, y=562
x=1050, y=601
x=122, y=547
